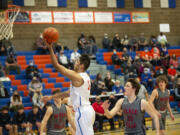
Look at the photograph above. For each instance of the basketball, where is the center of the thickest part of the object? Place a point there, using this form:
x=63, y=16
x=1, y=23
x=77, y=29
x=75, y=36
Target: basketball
x=51, y=35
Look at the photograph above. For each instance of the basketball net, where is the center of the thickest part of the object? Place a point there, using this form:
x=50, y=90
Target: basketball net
x=7, y=21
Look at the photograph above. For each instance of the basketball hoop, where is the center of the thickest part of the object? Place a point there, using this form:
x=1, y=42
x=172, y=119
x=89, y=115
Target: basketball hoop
x=7, y=21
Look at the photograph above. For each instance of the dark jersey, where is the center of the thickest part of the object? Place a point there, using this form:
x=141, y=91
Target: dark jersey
x=57, y=121
x=133, y=117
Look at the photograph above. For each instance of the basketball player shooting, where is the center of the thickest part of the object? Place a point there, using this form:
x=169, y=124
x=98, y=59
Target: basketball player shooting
x=79, y=91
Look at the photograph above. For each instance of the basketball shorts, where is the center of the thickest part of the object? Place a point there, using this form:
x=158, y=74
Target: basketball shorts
x=84, y=117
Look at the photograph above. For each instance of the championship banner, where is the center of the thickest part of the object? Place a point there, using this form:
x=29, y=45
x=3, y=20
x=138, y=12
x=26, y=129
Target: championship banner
x=122, y=17
x=140, y=17
x=22, y=17
x=41, y=17
x=63, y=17
x=83, y=17
x=103, y=17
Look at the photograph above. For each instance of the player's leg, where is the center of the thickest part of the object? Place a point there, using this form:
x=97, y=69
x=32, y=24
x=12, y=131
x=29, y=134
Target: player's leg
x=85, y=117
x=1, y=129
x=15, y=127
x=162, y=132
x=10, y=128
x=162, y=125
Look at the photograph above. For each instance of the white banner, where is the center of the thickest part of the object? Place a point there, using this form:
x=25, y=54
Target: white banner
x=63, y=17
x=164, y=27
x=103, y=17
x=84, y=17
x=41, y=17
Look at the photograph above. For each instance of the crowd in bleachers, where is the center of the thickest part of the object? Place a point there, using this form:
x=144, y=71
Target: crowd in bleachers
x=32, y=74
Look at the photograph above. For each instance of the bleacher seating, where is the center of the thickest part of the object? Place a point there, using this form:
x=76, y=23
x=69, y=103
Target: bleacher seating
x=103, y=57
x=52, y=80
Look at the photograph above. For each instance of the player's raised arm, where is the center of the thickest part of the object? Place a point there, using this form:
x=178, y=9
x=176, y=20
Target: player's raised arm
x=72, y=75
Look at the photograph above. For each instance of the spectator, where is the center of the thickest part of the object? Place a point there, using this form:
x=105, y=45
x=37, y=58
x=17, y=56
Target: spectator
x=129, y=71
x=164, y=51
x=162, y=39
x=172, y=73
x=82, y=43
x=165, y=62
x=125, y=54
x=146, y=55
x=74, y=56
x=5, y=121
x=153, y=40
x=137, y=64
x=117, y=88
x=100, y=113
x=142, y=42
x=101, y=89
x=19, y=120
x=41, y=46
x=91, y=46
x=125, y=42
x=146, y=79
x=115, y=58
x=34, y=118
x=161, y=71
x=106, y=42
x=2, y=74
x=155, y=50
x=63, y=60
x=3, y=91
x=37, y=99
x=57, y=47
x=174, y=61
x=133, y=44
x=3, y=49
x=15, y=101
x=97, y=81
x=116, y=42
x=177, y=89
x=10, y=48
x=35, y=86
x=32, y=71
x=125, y=58
x=108, y=81
x=143, y=94
x=155, y=56
x=11, y=64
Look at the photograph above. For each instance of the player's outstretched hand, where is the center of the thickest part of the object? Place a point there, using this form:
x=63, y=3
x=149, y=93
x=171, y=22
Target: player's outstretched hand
x=106, y=105
x=49, y=45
